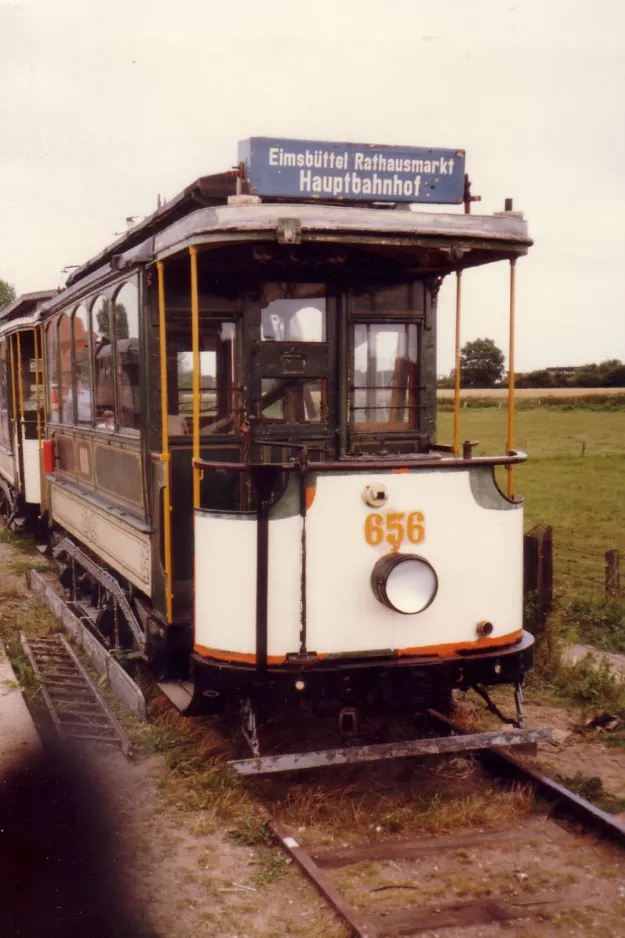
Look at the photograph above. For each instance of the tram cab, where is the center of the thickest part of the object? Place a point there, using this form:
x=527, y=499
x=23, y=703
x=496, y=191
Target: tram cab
x=270, y=494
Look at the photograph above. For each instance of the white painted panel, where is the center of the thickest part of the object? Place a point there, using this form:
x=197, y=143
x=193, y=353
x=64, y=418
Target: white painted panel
x=32, y=472
x=123, y=546
x=476, y=552
x=285, y=576
x=225, y=582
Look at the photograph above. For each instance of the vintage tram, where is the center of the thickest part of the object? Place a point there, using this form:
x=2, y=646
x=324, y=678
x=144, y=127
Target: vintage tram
x=243, y=481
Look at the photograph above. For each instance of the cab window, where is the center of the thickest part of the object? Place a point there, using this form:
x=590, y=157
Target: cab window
x=385, y=373
x=293, y=312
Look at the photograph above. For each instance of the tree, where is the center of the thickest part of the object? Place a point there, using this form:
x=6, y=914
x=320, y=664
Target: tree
x=481, y=364
x=536, y=379
x=7, y=294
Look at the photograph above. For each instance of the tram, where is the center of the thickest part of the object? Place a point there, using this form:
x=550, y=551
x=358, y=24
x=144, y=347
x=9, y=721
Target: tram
x=243, y=482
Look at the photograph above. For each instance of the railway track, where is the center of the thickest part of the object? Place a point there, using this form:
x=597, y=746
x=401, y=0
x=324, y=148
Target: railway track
x=391, y=886
x=78, y=711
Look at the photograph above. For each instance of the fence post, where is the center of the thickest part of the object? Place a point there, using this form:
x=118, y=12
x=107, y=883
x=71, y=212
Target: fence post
x=612, y=574
x=538, y=571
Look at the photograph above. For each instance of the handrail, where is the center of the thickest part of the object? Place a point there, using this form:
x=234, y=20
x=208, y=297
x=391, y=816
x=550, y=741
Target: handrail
x=356, y=463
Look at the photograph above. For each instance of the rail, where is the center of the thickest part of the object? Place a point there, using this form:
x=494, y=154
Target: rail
x=459, y=910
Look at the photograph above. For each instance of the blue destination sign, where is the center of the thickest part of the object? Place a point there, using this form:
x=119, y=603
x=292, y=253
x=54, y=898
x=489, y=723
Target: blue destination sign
x=311, y=169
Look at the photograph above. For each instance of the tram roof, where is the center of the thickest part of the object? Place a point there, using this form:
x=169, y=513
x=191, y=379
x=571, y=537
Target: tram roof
x=26, y=304
x=203, y=208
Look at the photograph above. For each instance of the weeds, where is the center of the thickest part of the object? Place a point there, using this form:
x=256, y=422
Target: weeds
x=23, y=566
x=252, y=832
x=591, y=788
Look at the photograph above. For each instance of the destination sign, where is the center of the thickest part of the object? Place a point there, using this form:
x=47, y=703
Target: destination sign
x=311, y=169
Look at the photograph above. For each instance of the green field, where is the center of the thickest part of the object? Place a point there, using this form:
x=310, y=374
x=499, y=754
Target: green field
x=583, y=497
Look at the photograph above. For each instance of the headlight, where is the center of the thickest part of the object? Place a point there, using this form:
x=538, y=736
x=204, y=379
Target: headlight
x=404, y=582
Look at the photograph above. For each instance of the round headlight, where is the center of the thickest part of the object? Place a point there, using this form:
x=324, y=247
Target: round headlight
x=404, y=582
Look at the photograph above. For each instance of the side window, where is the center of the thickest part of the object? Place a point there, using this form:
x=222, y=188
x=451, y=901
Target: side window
x=219, y=396
x=52, y=372
x=82, y=365
x=66, y=391
x=103, y=364
x=126, y=321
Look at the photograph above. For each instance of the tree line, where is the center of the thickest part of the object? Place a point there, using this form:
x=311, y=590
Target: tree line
x=482, y=366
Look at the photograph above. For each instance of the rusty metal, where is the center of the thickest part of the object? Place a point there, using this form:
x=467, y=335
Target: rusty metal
x=304, y=561
x=492, y=707
x=328, y=890
x=467, y=448
x=292, y=762
x=409, y=921
x=511, y=374
x=412, y=848
x=66, y=546
x=566, y=801
x=457, y=361
x=76, y=707
x=368, y=464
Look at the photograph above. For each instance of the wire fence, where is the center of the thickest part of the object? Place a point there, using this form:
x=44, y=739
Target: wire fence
x=578, y=569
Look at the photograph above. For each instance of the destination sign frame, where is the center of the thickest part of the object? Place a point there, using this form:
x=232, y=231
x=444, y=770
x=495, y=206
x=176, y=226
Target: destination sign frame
x=354, y=172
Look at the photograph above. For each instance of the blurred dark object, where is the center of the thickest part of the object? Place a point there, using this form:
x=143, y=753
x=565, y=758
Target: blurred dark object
x=58, y=872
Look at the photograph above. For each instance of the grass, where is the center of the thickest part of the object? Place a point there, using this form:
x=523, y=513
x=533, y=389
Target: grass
x=581, y=496
x=591, y=788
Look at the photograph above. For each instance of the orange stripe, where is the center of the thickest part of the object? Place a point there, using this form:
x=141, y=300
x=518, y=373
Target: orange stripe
x=443, y=651
x=450, y=649
x=235, y=656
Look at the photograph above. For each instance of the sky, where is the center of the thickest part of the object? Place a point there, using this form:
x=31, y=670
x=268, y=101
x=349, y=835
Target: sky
x=104, y=104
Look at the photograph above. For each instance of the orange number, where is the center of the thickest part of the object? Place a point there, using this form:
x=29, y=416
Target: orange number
x=395, y=527
x=416, y=530
x=373, y=529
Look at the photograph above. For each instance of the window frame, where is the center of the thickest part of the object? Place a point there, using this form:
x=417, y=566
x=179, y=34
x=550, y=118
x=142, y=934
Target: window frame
x=82, y=424
x=105, y=295
x=417, y=317
x=115, y=290
x=60, y=385
x=52, y=329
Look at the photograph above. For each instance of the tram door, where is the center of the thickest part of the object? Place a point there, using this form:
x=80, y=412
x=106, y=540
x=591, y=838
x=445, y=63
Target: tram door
x=291, y=373
x=27, y=412
x=31, y=415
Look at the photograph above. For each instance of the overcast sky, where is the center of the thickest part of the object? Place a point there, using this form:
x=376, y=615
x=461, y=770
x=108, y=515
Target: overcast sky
x=106, y=103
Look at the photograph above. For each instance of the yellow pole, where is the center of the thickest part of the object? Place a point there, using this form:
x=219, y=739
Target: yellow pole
x=457, y=365
x=195, y=344
x=165, y=456
x=511, y=376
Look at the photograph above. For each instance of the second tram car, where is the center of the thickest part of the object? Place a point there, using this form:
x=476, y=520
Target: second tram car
x=247, y=488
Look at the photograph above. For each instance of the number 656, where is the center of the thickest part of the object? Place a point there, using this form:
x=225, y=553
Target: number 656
x=394, y=527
